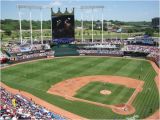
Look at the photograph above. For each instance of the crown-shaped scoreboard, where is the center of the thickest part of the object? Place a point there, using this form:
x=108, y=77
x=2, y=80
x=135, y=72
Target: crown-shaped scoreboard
x=63, y=26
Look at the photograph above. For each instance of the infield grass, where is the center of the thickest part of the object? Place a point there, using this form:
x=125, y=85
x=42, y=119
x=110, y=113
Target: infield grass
x=37, y=77
x=119, y=94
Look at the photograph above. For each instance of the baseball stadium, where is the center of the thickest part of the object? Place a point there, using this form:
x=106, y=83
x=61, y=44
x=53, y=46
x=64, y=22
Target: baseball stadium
x=66, y=77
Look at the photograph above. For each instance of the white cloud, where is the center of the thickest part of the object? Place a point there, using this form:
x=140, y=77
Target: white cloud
x=55, y=3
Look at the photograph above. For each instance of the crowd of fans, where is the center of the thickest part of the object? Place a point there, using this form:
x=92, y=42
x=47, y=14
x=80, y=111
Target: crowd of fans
x=37, y=47
x=27, y=51
x=140, y=48
x=106, y=42
x=155, y=57
x=3, y=57
x=101, y=46
x=17, y=107
x=115, y=42
x=21, y=56
x=14, y=48
x=153, y=51
x=101, y=52
x=108, y=47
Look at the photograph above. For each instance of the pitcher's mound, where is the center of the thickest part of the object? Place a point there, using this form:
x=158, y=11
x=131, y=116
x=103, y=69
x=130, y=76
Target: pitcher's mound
x=105, y=92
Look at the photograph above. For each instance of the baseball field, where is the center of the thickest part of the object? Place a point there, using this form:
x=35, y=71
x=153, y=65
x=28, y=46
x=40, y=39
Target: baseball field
x=92, y=92
x=38, y=77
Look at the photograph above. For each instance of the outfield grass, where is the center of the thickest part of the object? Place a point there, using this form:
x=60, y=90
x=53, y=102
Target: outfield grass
x=120, y=94
x=37, y=77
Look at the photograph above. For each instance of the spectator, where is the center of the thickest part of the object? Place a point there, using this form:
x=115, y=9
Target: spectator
x=24, y=110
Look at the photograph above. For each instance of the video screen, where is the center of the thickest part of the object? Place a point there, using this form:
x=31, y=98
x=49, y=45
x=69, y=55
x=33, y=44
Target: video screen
x=63, y=26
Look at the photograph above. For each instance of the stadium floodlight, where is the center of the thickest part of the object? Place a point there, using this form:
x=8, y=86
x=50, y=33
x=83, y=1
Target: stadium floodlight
x=34, y=6
x=40, y=7
x=91, y=8
x=22, y=6
x=30, y=6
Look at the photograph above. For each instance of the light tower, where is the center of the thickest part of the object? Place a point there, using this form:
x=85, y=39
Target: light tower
x=30, y=7
x=91, y=8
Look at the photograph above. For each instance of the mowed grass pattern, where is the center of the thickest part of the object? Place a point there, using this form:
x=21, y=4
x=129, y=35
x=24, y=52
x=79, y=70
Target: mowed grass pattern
x=120, y=94
x=37, y=77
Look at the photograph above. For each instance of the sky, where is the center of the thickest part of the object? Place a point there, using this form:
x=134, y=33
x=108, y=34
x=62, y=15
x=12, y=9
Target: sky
x=126, y=10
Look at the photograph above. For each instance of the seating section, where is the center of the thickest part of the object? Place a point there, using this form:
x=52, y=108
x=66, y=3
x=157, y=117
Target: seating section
x=17, y=107
x=155, y=57
x=102, y=52
x=140, y=48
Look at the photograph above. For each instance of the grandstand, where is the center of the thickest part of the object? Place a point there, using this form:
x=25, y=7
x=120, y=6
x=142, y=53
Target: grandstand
x=15, y=52
x=3, y=57
x=15, y=106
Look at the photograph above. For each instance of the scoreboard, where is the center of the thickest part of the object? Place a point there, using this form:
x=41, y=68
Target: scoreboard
x=63, y=26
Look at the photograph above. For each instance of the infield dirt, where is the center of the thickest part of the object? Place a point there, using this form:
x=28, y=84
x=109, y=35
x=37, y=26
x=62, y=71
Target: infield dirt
x=68, y=88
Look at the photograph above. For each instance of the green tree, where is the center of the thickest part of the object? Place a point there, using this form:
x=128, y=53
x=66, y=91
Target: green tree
x=13, y=37
x=96, y=32
x=8, y=32
x=149, y=31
